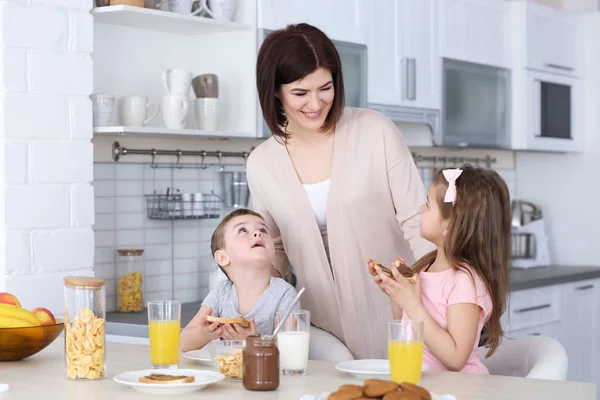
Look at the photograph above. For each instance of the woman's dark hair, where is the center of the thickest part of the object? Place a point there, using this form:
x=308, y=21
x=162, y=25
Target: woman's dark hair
x=288, y=55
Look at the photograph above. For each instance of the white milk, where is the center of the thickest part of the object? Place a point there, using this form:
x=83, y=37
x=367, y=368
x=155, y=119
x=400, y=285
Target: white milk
x=293, y=350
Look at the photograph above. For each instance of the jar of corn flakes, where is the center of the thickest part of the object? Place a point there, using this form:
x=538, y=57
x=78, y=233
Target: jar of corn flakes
x=130, y=282
x=85, y=316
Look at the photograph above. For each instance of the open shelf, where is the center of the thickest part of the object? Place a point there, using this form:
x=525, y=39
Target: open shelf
x=172, y=133
x=158, y=20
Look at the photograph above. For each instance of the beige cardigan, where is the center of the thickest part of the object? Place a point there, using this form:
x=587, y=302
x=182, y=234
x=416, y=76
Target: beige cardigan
x=372, y=211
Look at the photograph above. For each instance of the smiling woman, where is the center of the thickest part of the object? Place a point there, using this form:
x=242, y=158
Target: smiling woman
x=335, y=185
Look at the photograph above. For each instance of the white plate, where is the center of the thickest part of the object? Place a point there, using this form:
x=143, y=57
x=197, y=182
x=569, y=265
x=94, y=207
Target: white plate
x=202, y=355
x=366, y=369
x=203, y=379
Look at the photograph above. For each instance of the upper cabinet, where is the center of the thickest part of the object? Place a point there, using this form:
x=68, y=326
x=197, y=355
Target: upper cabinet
x=339, y=19
x=476, y=31
x=547, y=39
x=403, y=53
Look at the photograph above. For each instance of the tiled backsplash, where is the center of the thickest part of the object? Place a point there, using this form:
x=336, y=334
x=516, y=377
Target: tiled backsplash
x=177, y=259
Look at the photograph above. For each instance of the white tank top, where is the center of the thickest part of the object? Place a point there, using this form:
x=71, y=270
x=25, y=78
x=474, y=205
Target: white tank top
x=317, y=195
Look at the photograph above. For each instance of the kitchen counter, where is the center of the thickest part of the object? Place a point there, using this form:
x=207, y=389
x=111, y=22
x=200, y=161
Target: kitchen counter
x=136, y=324
x=44, y=374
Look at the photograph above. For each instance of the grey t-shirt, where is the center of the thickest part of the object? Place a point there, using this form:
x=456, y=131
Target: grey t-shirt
x=279, y=296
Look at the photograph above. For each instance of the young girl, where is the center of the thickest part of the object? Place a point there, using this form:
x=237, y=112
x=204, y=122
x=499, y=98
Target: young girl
x=461, y=286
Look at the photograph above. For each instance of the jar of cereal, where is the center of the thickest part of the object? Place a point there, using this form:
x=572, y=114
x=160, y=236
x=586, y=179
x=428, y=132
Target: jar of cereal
x=85, y=316
x=130, y=283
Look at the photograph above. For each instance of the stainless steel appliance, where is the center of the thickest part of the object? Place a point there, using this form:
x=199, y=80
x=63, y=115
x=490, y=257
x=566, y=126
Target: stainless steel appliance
x=475, y=106
x=354, y=68
x=529, y=243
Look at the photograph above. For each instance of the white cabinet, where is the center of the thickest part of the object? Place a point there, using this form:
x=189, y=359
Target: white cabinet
x=403, y=53
x=475, y=31
x=339, y=19
x=549, y=40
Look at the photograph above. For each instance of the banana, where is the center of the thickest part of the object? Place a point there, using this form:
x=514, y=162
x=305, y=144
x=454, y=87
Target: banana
x=10, y=311
x=11, y=322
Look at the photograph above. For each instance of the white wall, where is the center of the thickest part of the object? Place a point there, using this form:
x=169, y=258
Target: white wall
x=567, y=186
x=48, y=202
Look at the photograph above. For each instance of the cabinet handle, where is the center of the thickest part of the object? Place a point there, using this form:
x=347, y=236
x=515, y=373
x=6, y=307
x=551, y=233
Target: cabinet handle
x=413, y=81
x=585, y=287
x=406, y=78
x=528, y=309
x=562, y=67
x=535, y=334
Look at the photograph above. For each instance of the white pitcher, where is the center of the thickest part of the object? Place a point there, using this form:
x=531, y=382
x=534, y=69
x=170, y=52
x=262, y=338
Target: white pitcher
x=219, y=9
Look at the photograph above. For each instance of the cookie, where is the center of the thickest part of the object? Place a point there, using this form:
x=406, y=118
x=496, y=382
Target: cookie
x=400, y=395
x=347, y=394
x=377, y=387
x=418, y=390
x=355, y=387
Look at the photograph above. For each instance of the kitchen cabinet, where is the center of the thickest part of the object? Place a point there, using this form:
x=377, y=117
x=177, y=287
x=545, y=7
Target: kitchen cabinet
x=552, y=39
x=403, y=53
x=476, y=31
x=568, y=313
x=339, y=19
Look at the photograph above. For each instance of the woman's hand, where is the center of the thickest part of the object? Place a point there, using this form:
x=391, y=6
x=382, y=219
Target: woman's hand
x=407, y=295
x=237, y=332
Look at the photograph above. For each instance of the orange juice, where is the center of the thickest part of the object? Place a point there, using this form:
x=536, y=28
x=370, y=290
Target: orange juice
x=164, y=342
x=405, y=361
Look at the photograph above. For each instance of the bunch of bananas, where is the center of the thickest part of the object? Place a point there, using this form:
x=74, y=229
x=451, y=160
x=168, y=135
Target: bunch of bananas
x=12, y=316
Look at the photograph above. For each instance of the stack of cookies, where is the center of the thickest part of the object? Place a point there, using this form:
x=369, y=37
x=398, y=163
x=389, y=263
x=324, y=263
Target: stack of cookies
x=379, y=389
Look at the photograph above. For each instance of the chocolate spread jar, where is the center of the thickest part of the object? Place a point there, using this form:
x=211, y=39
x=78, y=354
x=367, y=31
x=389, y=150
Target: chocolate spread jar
x=260, y=363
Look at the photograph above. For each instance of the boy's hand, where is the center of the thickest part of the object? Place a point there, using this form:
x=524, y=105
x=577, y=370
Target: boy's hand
x=237, y=332
x=212, y=330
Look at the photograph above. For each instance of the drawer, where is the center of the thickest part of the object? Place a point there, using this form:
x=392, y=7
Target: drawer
x=533, y=307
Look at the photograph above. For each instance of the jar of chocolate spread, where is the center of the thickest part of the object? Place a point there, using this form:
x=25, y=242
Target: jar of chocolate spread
x=260, y=369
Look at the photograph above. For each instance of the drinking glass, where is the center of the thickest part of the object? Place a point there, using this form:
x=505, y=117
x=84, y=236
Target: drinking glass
x=405, y=350
x=292, y=341
x=164, y=321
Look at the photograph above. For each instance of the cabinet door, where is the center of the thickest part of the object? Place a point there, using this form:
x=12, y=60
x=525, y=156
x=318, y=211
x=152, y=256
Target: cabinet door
x=552, y=40
x=385, y=85
x=421, y=53
x=475, y=31
x=579, y=329
x=345, y=20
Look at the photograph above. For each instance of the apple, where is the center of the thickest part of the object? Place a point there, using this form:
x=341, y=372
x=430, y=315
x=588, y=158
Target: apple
x=44, y=315
x=8, y=298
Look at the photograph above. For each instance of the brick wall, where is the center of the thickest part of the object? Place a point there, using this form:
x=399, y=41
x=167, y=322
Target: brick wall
x=46, y=131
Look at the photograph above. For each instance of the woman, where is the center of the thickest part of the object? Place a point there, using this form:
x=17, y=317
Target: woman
x=336, y=186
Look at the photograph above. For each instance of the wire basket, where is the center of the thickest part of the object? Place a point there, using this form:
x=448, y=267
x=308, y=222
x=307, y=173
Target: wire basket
x=171, y=207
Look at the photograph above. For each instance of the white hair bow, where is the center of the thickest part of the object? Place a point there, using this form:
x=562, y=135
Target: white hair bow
x=451, y=176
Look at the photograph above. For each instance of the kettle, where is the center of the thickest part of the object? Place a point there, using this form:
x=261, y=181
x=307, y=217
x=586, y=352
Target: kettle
x=524, y=212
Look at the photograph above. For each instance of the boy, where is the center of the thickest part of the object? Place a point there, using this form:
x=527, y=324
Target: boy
x=244, y=250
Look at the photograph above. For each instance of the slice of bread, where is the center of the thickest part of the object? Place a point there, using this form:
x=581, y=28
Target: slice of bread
x=241, y=321
x=166, y=379
x=402, y=268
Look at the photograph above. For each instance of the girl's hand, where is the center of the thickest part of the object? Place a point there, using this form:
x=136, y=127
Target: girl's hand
x=374, y=274
x=237, y=332
x=407, y=295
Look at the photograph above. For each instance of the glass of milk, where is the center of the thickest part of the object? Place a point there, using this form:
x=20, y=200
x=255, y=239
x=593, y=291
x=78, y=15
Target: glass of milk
x=292, y=341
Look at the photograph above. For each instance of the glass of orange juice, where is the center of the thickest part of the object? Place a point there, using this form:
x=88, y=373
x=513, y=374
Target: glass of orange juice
x=164, y=321
x=405, y=350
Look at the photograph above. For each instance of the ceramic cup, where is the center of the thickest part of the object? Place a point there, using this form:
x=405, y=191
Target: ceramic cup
x=207, y=113
x=174, y=111
x=134, y=110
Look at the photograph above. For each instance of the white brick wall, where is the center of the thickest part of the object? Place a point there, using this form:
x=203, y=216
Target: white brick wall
x=45, y=140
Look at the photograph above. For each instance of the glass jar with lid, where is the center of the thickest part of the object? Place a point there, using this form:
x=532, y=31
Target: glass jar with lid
x=260, y=363
x=130, y=280
x=85, y=316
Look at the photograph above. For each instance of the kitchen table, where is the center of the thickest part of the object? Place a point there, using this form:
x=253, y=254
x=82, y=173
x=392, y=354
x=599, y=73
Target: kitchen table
x=42, y=376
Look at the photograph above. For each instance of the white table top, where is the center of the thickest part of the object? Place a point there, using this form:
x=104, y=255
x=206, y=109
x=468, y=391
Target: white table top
x=43, y=376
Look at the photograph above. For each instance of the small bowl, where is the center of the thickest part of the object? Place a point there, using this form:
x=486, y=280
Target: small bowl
x=19, y=343
x=227, y=356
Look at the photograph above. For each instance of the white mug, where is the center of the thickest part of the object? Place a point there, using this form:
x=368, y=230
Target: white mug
x=180, y=6
x=207, y=113
x=174, y=111
x=102, y=108
x=134, y=109
x=177, y=82
x=218, y=9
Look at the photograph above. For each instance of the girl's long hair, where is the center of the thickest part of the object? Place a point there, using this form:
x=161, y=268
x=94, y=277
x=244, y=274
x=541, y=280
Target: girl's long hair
x=478, y=236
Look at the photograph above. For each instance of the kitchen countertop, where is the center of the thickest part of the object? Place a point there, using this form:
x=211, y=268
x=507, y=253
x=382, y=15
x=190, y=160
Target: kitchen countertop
x=44, y=374
x=136, y=324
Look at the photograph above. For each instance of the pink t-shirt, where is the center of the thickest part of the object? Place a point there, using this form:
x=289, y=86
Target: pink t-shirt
x=442, y=289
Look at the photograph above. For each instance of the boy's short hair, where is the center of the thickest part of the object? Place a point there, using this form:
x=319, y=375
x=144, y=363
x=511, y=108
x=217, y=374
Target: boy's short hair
x=217, y=241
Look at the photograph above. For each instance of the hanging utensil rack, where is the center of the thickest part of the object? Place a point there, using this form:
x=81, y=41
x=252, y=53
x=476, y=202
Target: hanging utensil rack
x=118, y=152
